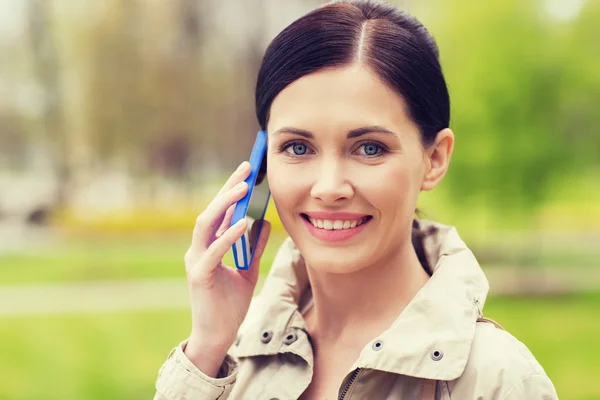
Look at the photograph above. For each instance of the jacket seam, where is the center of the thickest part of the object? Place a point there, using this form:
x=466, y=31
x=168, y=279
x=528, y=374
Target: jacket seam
x=531, y=364
x=192, y=382
x=194, y=378
x=515, y=345
x=222, y=393
x=520, y=382
x=289, y=319
x=511, y=340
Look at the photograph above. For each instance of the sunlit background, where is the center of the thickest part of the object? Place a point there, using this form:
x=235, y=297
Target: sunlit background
x=119, y=120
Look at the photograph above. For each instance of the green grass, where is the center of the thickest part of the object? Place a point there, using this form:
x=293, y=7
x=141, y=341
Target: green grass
x=117, y=356
x=86, y=357
x=113, y=257
x=119, y=257
x=562, y=333
x=106, y=356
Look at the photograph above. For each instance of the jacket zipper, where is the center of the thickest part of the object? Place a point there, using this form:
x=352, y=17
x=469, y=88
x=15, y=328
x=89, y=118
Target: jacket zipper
x=349, y=383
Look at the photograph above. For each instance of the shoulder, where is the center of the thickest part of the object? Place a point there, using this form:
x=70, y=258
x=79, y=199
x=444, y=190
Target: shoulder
x=501, y=367
x=495, y=348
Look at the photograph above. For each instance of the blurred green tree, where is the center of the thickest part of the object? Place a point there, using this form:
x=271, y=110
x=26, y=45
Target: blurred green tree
x=525, y=102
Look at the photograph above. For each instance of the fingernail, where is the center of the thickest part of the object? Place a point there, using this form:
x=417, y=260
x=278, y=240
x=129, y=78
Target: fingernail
x=241, y=167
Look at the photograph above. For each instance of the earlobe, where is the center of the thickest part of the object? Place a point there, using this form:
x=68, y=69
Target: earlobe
x=439, y=154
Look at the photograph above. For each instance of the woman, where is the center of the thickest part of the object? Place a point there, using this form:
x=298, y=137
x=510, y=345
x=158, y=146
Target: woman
x=362, y=301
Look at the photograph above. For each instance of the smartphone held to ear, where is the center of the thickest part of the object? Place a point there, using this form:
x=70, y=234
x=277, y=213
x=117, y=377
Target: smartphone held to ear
x=252, y=206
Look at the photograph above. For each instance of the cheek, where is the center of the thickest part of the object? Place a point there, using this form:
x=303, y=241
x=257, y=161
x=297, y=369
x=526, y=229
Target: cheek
x=396, y=185
x=288, y=187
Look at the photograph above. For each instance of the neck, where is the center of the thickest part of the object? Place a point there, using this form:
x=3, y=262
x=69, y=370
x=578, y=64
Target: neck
x=351, y=307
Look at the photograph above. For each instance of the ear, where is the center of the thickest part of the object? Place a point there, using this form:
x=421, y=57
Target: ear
x=438, y=159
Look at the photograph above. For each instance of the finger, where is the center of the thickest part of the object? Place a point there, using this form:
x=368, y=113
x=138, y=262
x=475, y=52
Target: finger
x=219, y=206
x=211, y=219
x=252, y=273
x=216, y=251
x=239, y=175
x=226, y=221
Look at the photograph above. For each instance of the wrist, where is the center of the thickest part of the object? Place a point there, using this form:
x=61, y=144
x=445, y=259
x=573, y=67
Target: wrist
x=207, y=358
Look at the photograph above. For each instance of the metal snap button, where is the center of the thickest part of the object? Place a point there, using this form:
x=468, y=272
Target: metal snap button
x=290, y=338
x=378, y=345
x=437, y=355
x=266, y=336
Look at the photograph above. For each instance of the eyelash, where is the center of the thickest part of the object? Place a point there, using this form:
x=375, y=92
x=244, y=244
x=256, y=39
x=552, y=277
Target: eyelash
x=382, y=149
x=283, y=148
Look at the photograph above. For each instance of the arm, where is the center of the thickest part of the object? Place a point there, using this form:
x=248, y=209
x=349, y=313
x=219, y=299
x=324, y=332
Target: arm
x=180, y=379
x=219, y=296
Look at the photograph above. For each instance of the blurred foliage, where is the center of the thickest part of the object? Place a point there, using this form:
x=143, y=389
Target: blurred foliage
x=165, y=90
x=525, y=93
x=143, y=108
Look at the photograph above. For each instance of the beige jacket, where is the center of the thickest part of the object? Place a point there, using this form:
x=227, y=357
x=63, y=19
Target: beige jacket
x=438, y=347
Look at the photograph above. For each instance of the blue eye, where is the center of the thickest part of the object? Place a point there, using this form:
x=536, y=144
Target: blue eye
x=371, y=149
x=297, y=149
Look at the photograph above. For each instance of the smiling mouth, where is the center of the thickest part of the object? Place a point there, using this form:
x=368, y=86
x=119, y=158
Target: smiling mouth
x=333, y=225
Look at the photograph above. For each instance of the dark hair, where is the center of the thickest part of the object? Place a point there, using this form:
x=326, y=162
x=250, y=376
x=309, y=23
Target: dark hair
x=388, y=41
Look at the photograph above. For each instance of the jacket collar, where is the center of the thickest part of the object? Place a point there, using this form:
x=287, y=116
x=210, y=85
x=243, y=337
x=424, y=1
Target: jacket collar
x=430, y=339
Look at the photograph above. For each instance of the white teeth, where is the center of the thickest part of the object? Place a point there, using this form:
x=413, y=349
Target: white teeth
x=336, y=224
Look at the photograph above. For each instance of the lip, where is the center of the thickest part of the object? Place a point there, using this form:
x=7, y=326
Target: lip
x=335, y=235
x=334, y=215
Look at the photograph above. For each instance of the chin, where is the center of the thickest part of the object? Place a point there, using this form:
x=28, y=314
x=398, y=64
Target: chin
x=334, y=260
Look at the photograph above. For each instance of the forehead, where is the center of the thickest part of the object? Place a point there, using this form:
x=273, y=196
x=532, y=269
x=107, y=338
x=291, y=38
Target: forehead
x=337, y=100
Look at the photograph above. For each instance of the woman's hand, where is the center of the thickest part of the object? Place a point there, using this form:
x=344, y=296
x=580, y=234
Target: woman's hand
x=220, y=295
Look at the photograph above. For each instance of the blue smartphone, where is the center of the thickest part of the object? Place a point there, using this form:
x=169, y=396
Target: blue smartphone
x=253, y=206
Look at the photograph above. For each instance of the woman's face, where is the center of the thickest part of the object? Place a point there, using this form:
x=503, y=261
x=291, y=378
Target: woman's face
x=345, y=167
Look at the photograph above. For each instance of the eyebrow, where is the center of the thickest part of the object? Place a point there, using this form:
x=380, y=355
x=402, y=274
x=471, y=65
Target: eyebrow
x=354, y=133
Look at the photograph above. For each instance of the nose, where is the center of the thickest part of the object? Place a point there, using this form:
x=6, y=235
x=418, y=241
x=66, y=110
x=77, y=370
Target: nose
x=331, y=186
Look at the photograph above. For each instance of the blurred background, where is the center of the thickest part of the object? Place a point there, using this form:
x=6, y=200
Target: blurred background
x=119, y=120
